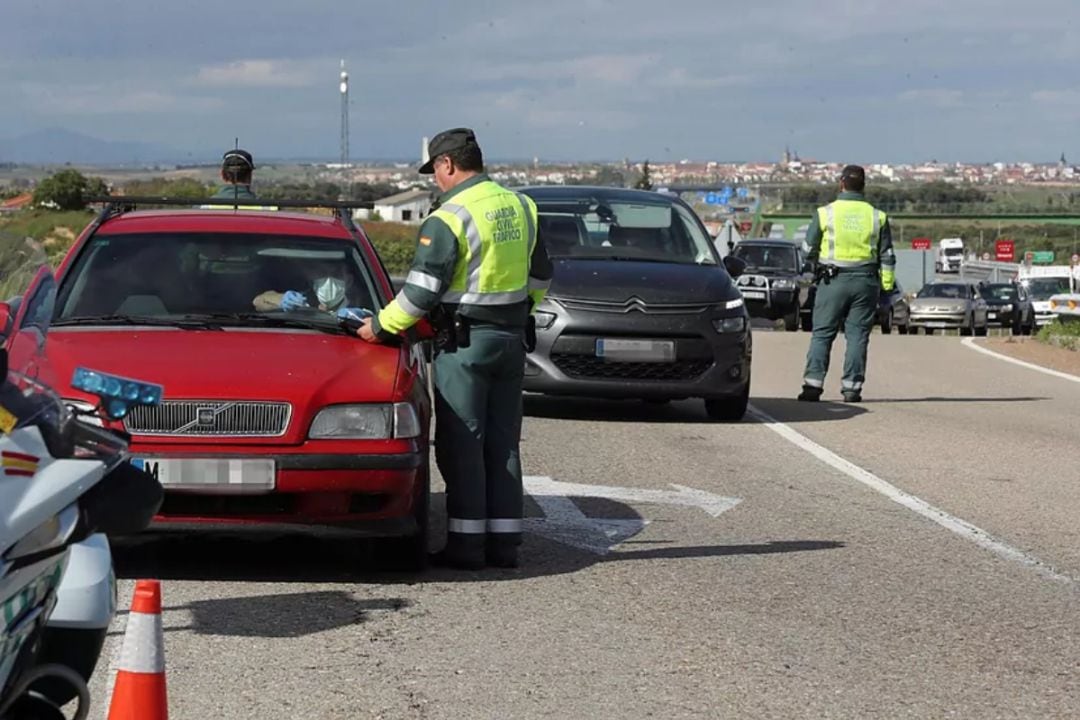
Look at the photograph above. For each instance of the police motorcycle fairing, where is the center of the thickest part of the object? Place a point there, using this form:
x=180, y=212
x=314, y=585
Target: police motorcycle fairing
x=64, y=485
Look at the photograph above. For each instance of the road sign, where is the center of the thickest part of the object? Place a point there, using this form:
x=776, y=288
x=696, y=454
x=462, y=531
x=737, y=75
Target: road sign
x=710, y=198
x=1042, y=257
x=986, y=256
x=564, y=521
x=743, y=192
x=1075, y=259
x=1004, y=250
x=920, y=243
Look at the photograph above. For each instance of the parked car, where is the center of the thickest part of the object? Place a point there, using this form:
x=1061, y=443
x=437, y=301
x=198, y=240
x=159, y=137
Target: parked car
x=775, y=284
x=1008, y=306
x=274, y=418
x=640, y=305
x=943, y=305
x=893, y=311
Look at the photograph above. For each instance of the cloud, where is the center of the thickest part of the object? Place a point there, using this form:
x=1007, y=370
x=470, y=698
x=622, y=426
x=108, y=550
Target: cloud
x=935, y=97
x=255, y=73
x=104, y=100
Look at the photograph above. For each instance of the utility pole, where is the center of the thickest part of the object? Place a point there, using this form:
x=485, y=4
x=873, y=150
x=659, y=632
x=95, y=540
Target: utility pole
x=344, y=87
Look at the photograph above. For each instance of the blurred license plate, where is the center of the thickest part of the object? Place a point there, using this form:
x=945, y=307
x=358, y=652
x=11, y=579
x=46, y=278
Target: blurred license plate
x=991, y=316
x=211, y=475
x=617, y=350
x=754, y=294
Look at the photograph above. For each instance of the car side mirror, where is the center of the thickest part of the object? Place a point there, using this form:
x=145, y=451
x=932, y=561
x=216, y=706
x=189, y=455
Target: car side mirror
x=807, y=267
x=7, y=318
x=735, y=266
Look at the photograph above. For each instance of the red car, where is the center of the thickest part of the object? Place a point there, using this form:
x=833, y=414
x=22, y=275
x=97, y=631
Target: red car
x=275, y=414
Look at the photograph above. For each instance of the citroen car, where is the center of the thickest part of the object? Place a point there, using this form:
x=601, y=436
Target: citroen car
x=272, y=417
x=775, y=284
x=640, y=306
x=1008, y=306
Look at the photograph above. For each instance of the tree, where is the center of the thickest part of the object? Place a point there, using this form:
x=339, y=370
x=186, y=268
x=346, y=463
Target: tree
x=644, y=182
x=68, y=190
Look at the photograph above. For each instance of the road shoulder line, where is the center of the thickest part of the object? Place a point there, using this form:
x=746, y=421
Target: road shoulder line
x=917, y=505
x=970, y=342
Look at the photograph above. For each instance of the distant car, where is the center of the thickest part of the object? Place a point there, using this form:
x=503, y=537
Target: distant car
x=641, y=305
x=1040, y=290
x=1008, y=306
x=892, y=311
x=774, y=283
x=946, y=305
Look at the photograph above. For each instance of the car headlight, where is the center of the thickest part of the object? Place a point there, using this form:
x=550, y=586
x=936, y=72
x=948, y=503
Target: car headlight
x=366, y=422
x=1006, y=308
x=730, y=325
x=784, y=284
x=544, y=320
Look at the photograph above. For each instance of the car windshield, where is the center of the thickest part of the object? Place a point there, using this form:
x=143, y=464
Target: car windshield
x=770, y=257
x=1044, y=288
x=621, y=230
x=236, y=279
x=998, y=292
x=942, y=290
x=952, y=252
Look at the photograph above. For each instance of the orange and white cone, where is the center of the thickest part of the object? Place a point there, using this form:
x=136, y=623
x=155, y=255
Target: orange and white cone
x=139, y=691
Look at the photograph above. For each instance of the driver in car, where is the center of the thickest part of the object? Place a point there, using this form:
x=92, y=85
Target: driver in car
x=326, y=293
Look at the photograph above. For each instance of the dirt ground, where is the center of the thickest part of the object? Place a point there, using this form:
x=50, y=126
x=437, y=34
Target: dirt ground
x=1031, y=350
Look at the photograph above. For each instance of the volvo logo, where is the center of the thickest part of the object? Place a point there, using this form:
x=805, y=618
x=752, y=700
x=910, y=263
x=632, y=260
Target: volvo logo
x=205, y=416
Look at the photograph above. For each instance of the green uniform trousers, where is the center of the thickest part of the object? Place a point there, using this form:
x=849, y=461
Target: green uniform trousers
x=850, y=298
x=478, y=407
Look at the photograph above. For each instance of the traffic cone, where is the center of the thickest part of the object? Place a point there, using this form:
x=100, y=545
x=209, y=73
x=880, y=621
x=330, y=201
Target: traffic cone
x=139, y=691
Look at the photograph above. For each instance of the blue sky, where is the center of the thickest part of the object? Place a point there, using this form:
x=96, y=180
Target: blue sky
x=861, y=81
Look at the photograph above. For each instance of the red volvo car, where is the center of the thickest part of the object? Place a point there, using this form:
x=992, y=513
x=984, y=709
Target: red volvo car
x=275, y=413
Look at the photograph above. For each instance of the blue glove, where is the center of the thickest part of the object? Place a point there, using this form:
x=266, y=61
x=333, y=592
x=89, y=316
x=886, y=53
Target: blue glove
x=293, y=300
x=357, y=314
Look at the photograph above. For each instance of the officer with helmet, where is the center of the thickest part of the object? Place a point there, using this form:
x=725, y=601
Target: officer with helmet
x=850, y=243
x=479, y=271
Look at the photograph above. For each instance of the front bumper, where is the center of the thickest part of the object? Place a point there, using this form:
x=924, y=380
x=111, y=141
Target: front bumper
x=937, y=319
x=706, y=364
x=355, y=489
x=1000, y=318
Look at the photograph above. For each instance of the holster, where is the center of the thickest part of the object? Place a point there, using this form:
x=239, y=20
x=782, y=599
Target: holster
x=452, y=329
x=530, y=334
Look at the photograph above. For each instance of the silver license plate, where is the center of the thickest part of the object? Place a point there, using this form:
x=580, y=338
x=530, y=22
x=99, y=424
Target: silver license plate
x=212, y=475
x=754, y=294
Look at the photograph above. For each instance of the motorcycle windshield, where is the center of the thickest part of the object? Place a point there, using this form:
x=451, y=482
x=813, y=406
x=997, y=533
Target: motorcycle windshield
x=28, y=288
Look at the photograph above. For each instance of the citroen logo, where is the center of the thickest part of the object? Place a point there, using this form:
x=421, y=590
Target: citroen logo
x=635, y=303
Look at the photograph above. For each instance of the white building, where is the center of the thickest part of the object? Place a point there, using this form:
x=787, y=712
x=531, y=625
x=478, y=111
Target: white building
x=411, y=206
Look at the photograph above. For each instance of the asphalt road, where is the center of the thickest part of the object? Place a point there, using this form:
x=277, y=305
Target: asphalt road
x=916, y=555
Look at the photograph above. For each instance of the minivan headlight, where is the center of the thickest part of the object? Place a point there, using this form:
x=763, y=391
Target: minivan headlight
x=366, y=422
x=730, y=325
x=783, y=284
x=544, y=320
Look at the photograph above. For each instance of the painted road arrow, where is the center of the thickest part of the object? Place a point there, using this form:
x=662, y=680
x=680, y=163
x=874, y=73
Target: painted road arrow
x=564, y=521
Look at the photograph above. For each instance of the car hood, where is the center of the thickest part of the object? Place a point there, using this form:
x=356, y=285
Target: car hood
x=998, y=302
x=300, y=367
x=651, y=282
x=951, y=303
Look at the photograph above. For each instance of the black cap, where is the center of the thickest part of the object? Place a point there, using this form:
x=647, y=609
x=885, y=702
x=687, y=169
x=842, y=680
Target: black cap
x=237, y=159
x=853, y=172
x=444, y=142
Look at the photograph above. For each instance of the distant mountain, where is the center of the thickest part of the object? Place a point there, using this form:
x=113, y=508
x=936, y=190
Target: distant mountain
x=59, y=146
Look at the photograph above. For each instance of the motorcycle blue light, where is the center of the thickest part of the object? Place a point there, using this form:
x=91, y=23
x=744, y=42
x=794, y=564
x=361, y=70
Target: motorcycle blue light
x=118, y=394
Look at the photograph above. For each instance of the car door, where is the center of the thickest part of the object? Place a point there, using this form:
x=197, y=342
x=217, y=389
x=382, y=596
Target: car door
x=30, y=326
x=979, y=313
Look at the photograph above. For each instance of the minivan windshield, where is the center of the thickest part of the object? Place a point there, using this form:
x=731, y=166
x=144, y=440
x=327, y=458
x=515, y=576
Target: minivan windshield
x=768, y=257
x=624, y=230
x=231, y=278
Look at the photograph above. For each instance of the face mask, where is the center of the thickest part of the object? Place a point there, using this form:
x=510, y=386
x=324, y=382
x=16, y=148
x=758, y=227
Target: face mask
x=330, y=292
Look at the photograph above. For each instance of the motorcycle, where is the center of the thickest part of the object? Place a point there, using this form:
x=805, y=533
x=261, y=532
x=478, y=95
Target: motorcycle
x=65, y=486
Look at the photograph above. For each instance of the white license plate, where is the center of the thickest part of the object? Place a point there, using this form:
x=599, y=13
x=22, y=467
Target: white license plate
x=991, y=316
x=754, y=294
x=618, y=350
x=211, y=474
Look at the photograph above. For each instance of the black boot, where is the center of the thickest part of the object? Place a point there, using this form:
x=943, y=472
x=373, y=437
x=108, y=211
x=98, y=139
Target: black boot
x=810, y=394
x=502, y=556
x=462, y=552
x=852, y=396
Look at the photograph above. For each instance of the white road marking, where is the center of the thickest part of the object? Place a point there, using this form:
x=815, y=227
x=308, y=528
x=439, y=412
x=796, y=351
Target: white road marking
x=970, y=342
x=711, y=503
x=954, y=524
x=564, y=521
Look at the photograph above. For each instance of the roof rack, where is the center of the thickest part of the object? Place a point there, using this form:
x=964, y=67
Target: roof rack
x=119, y=204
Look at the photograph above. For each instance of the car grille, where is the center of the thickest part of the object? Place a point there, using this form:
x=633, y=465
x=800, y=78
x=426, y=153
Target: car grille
x=586, y=366
x=210, y=418
x=634, y=303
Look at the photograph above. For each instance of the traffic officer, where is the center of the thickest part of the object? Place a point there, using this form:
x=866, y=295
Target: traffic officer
x=237, y=168
x=850, y=245
x=480, y=269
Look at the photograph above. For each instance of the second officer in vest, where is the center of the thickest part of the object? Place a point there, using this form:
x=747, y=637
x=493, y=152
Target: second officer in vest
x=850, y=243
x=479, y=270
